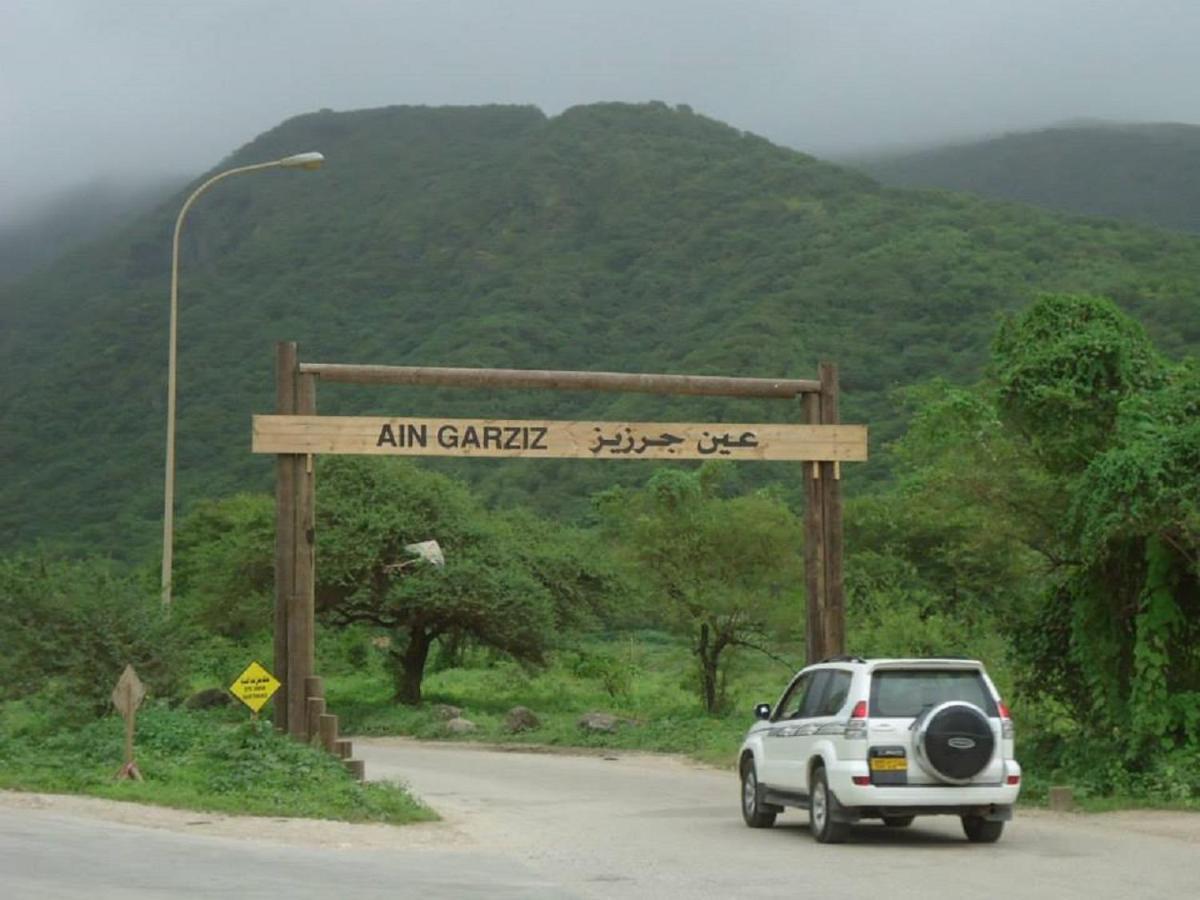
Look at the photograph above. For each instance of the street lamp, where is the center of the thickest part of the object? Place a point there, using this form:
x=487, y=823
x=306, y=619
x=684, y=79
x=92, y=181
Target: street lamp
x=297, y=161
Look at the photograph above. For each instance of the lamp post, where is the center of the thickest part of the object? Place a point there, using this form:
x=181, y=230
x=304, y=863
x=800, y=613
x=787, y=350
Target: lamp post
x=297, y=161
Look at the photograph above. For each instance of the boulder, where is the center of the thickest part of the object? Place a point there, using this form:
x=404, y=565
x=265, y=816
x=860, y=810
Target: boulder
x=447, y=712
x=521, y=718
x=209, y=698
x=459, y=725
x=603, y=722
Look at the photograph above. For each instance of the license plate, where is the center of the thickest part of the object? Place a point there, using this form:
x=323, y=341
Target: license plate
x=888, y=764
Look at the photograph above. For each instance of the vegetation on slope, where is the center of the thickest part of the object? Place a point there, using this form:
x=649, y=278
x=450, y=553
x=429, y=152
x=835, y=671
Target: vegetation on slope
x=1141, y=173
x=635, y=238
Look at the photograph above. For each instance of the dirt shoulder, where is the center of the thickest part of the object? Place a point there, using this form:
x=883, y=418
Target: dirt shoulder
x=305, y=832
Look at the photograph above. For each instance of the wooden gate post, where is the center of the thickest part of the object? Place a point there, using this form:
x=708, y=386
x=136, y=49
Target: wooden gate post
x=300, y=627
x=831, y=489
x=295, y=394
x=814, y=545
x=823, y=578
x=285, y=523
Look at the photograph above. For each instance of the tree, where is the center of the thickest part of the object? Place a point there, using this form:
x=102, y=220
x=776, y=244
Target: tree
x=224, y=570
x=368, y=510
x=588, y=585
x=730, y=569
x=1083, y=446
x=1062, y=370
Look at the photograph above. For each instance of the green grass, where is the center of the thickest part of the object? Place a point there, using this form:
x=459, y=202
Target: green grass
x=646, y=678
x=195, y=760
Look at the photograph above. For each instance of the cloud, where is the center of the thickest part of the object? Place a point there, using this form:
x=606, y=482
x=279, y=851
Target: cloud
x=147, y=87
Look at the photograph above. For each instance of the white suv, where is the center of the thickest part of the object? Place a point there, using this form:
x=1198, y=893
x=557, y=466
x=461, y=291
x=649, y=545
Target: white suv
x=890, y=739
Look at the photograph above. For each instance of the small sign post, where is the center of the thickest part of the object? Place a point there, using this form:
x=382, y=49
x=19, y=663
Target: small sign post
x=254, y=687
x=127, y=696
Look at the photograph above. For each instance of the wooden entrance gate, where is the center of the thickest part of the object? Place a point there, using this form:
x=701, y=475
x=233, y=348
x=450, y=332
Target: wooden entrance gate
x=296, y=433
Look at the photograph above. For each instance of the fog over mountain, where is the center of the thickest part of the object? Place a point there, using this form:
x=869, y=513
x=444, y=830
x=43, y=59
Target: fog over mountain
x=1147, y=173
x=148, y=90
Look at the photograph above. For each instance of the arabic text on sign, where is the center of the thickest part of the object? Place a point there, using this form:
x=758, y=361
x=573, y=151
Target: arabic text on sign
x=255, y=686
x=556, y=439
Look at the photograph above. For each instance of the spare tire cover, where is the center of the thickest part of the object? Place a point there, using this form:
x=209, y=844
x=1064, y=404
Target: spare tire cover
x=955, y=742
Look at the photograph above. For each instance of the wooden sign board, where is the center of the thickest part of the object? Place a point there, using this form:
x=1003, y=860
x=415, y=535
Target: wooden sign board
x=129, y=693
x=556, y=440
x=127, y=696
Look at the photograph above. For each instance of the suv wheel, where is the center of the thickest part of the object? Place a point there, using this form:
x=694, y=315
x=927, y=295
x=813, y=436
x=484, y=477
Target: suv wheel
x=820, y=812
x=980, y=830
x=752, y=811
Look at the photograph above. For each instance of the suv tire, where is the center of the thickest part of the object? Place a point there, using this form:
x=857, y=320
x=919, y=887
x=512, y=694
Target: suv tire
x=820, y=812
x=980, y=830
x=752, y=806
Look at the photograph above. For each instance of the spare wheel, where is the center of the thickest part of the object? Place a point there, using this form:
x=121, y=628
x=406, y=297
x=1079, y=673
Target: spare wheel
x=954, y=741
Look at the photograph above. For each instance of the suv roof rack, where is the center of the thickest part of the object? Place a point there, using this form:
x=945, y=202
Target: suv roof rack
x=842, y=657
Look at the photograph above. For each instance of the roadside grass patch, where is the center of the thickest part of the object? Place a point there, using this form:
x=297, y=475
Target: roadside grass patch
x=647, y=678
x=209, y=761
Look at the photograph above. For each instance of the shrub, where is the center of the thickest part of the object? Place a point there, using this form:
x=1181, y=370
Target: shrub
x=70, y=628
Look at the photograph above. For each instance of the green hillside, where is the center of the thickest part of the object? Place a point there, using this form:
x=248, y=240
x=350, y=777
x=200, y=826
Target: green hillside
x=1143, y=173
x=636, y=238
x=35, y=237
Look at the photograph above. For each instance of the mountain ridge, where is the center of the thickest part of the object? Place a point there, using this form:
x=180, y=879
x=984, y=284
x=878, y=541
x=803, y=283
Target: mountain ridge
x=612, y=236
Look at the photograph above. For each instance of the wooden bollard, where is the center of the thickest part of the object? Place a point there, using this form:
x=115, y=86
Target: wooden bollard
x=328, y=725
x=314, y=686
x=1062, y=799
x=316, y=709
x=356, y=767
x=343, y=748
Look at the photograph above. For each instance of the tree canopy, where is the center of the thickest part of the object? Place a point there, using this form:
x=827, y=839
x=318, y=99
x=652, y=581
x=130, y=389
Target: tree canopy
x=1081, y=451
x=727, y=568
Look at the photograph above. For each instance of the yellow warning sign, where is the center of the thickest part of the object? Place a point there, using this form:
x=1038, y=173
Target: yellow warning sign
x=255, y=686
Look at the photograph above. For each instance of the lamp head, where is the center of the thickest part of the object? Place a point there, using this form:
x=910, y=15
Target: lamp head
x=303, y=161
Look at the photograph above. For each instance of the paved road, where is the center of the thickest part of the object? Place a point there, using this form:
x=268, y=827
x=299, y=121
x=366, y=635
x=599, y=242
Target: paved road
x=646, y=827
x=48, y=854
x=523, y=825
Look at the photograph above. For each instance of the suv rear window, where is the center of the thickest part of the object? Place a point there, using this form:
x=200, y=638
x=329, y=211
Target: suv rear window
x=906, y=693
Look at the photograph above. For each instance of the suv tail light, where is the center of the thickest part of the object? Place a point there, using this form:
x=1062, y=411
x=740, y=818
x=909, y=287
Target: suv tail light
x=856, y=728
x=1006, y=722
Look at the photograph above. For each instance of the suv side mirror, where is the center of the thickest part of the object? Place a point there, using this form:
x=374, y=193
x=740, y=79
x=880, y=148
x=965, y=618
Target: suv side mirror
x=762, y=711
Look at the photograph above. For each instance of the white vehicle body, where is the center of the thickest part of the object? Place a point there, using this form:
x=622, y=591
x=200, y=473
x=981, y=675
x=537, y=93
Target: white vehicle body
x=872, y=758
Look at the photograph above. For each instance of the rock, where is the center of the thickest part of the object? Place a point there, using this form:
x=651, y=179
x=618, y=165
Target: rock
x=598, y=721
x=209, y=698
x=1062, y=799
x=521, y=718
x=459, y=725
x=447, y=712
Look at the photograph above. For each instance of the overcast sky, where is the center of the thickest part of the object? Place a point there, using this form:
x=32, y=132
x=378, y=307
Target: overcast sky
x=100, y=87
